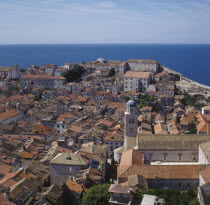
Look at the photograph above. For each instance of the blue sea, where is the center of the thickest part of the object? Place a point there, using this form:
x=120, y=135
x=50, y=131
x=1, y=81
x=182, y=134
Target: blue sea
x=193, y=61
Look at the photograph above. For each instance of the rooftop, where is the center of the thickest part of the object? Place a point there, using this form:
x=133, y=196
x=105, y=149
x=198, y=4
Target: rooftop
x=170, y=141
x=142, y=61
x=49, y=77
x=8, y=114
x=136, y=74
x=161, y=172
x=67, y=159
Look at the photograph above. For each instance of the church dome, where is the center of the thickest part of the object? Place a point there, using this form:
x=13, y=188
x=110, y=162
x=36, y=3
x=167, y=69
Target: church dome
x=131, y=103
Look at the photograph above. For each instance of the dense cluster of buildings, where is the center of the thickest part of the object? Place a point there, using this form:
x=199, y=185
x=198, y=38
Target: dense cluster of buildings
x=58, y=139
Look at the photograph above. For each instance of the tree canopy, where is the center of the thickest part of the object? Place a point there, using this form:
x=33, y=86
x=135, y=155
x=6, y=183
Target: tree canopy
x=176, y=77
x=172, y=197
x=111, y=72
x=97, y=195
x=195, y=101
x=192, y=126
x=74, y=74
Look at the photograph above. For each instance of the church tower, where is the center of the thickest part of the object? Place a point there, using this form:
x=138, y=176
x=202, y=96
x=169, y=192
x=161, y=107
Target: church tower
x=131, y=125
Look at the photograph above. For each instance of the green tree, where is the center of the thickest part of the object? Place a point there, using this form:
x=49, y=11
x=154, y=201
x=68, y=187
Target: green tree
x=172, y=197
x=74, y=74
x=175, y=77
x=97, y=195
x=22, y=70
x=111, y=72
x=192, y=126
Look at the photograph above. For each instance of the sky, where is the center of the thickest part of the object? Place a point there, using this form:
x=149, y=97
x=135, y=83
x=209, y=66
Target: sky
x=104, y=21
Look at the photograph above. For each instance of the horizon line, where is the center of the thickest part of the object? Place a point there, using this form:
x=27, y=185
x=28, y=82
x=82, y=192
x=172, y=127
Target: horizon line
x=104, y=43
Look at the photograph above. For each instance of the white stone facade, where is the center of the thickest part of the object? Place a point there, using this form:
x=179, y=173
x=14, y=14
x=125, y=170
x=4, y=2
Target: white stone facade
x=170, y=155
x=112, y=145
x=9, y=72
x=137, y=83
x=59, y=173
x=202, y=158
x=46, y=81
x=143, y=65
x=131, y=122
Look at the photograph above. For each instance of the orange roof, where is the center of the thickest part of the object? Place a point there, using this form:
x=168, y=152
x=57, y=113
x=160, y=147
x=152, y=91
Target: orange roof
x=75, y=187
x=62, y=149
x=4, y=168
x=22, y=122
x=160, y=171
x=131, y=157
x=8, y=114
x=9, y=176
x=43, y=130
x=107, y=123
x=202, y=125
x=49, y=77
x=188, y=118
x=101, y=93
x=206, y=174
x=64, y=116
x=136, y=74
x=115, y=136
x=75, y=128
x=27, y=155
x=160, y=128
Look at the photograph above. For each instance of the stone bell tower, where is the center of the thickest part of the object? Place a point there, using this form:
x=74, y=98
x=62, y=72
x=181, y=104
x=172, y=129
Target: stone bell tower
x=131, y=125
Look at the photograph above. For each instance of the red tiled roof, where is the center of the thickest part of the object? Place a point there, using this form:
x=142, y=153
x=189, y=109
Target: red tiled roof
x=206, y=174
x=131, y=157
x=49, y=77
x=74, y=186
x=75, y=128
x=160, y=171
x=8, y=114
x=136, y=74
x=4, y=168
x=65, y=116
x=27, y=155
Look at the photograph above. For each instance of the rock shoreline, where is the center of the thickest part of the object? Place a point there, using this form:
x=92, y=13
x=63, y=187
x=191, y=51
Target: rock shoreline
x=189, y=85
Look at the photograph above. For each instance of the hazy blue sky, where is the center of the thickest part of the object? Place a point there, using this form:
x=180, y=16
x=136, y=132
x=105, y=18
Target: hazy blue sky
x=100, y=21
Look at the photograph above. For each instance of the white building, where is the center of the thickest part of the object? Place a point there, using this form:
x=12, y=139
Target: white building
x=114, y=141
x=167, y=148
x=9, y=72
x=46, y=81
x=136, y=80
x=143, y=65
x=65, y=166
x=68, y=65
x=50, y=69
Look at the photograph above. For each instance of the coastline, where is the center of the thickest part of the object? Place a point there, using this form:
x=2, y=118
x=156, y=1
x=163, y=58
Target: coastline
x=189, y=85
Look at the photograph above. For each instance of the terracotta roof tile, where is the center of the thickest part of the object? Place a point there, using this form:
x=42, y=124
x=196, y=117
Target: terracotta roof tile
x=161, y=171
x=49, y=77
x=131, y=157
x=75, y=187
x=136, y=74
x=8, y=114
x=4, y=168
